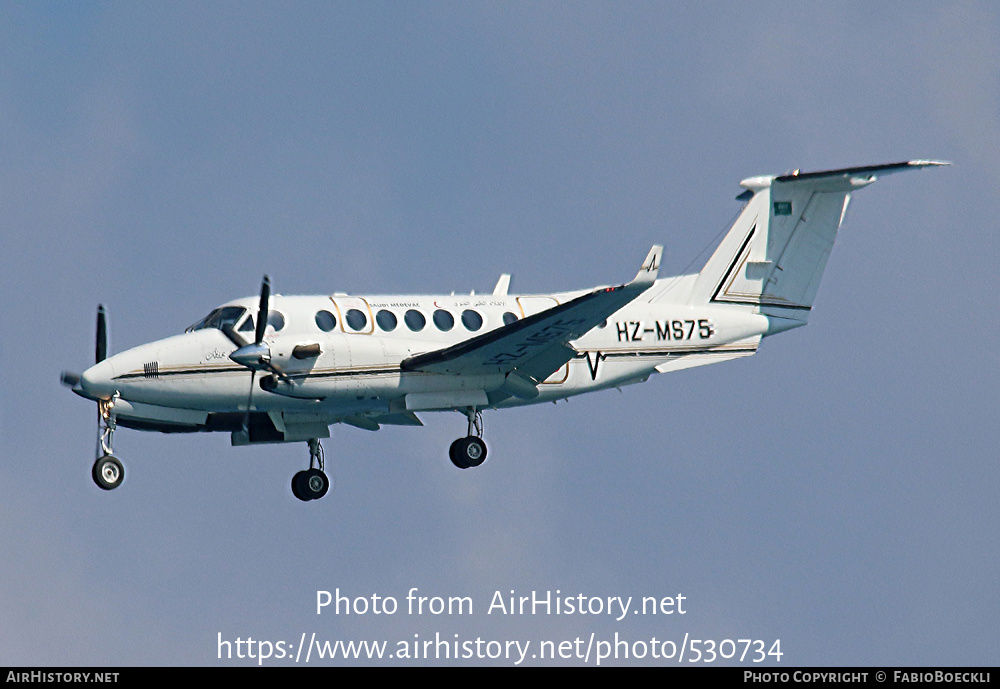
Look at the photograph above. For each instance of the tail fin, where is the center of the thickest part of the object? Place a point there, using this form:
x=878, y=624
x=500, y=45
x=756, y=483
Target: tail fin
x=774, y=255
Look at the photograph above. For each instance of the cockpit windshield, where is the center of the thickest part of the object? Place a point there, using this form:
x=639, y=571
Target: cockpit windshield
x=222, y=317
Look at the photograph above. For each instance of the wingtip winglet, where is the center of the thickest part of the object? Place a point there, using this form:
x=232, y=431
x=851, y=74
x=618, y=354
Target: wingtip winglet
x=503, y=284
x=651, y=266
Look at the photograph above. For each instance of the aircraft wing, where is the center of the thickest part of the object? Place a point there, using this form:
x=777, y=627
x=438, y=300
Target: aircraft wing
x=536, y=346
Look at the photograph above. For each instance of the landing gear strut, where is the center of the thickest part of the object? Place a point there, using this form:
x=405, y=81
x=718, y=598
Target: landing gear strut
x=313, y=483
x=108, y=472
x=470, y=451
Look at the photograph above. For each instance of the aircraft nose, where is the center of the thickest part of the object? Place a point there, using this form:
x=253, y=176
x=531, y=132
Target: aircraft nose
x=97, y=380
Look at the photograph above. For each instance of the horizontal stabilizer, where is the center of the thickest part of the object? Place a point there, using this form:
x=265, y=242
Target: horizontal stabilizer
x=866, y=171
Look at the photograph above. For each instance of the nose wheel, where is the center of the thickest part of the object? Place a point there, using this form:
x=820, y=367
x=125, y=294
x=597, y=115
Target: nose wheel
x=470, y=451
x=313, y=483
x=108, y=471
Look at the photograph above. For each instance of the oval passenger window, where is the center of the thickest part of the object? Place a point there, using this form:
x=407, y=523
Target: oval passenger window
x=443, y=320
x=386, y=320
x=414, y=320
x=356, y=319
x=325, y=321
x=275, y=320
x=472, y=320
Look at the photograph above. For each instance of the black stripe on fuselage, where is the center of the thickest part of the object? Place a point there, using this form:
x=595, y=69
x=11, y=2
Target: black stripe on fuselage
x=365, y=373
x=667, y=352
x=239, y=369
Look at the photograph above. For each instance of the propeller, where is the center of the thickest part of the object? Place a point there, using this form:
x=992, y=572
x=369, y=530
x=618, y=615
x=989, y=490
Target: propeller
x=255, y=355
x=71, y=379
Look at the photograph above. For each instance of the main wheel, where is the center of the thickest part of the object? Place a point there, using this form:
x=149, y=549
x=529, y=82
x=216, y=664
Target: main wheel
x=108, y=472
x=468, y=452
x=475, y=451
x=311, y=484
x=297, y=481
x=455, y=453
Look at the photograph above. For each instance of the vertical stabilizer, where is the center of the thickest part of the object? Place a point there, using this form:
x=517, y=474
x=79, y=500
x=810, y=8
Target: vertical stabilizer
x=774, y=255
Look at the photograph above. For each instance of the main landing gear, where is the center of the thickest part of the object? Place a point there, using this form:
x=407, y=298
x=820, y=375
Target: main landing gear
x=108, y=471
x=313, y=483
x=470, y=451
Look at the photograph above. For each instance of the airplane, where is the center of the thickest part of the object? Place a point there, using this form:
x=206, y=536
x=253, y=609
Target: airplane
x=280, y=369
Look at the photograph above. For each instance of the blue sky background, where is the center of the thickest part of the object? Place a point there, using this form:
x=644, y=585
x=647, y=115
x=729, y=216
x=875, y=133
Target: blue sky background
x=836, y=491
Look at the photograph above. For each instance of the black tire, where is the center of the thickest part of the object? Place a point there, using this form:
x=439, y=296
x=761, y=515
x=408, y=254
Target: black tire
x=455, y=453
x=468, y=452
x=108, y=472
x=298, y=486
x=311, y=484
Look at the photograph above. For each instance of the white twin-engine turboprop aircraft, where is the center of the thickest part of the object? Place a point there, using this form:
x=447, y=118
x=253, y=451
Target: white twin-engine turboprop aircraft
x=282, y=369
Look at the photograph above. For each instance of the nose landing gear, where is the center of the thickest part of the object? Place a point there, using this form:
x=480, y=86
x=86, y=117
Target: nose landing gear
x=470, y=451
x=313, y=483
x=108, y=472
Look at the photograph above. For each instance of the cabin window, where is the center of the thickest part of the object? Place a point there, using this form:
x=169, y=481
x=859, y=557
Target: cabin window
x=509, y=318
x=444, y=320
x=247, y=326
x=386, y=320
x=275, y=320
x=414, y=320
x=325, y=321
x=471, y=320
x=356, y=319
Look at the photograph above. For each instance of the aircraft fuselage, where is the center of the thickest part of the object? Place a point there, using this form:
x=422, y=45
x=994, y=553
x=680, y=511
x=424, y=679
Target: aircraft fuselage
x=357, y=370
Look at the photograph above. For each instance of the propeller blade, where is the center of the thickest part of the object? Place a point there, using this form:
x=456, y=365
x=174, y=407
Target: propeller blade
x=69, y=379
x=246, y=419
x=234, y=336
x=265, y=293
x=101, y=351
x=276, y=371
